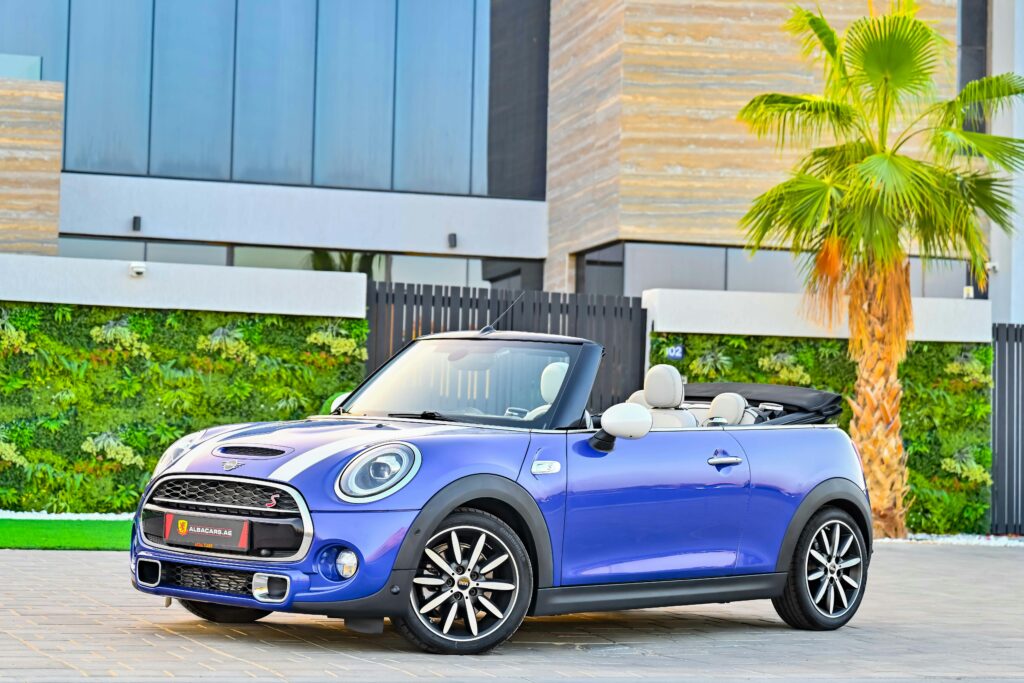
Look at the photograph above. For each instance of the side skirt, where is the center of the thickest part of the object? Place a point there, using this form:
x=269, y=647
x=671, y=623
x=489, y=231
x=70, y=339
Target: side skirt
x=610, y=597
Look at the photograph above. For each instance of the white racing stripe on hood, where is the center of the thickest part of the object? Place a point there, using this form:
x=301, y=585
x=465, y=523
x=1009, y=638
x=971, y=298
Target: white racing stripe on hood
x=365, y=438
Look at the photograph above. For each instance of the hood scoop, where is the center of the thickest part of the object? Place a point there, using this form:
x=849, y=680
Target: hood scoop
x=251, y=451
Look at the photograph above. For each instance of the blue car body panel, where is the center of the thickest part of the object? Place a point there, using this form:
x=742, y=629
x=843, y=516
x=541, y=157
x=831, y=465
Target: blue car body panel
x=649, y=510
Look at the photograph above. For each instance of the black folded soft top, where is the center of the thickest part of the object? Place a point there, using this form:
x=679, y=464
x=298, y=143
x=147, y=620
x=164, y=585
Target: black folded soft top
x=792, y=399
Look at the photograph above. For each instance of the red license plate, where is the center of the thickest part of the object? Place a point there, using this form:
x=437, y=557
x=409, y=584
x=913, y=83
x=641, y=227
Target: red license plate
x=215, y=533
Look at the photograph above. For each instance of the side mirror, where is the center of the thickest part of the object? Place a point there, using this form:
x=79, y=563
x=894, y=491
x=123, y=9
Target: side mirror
x=337, y=401
x=625, y=420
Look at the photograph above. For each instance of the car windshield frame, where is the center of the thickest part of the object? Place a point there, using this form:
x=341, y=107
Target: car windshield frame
x=566, y=398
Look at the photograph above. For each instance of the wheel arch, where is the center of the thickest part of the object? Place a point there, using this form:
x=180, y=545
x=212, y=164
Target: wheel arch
x=837, y=492
x=496, y=495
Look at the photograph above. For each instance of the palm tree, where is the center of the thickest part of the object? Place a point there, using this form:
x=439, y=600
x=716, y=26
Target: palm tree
x=890, y=169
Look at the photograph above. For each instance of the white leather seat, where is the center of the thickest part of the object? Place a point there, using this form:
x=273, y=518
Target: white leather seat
x=729, y=407
x=550, y=382
x=663, y=392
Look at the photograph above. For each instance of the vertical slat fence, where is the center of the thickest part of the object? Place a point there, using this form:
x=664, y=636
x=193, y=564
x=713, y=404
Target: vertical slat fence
x=399, y=313
x=1007, y=437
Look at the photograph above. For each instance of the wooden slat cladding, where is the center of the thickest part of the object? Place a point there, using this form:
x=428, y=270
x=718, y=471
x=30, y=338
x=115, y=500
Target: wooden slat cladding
x=399, y=313
x=584, y=129
x=31, y=125
x=681, y=168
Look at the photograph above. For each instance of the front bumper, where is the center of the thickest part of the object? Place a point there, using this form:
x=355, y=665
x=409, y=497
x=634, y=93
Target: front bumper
x=376, y=589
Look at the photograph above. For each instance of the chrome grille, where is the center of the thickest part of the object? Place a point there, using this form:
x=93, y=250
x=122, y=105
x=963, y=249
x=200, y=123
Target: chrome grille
x=213, y=493
x=210, y=579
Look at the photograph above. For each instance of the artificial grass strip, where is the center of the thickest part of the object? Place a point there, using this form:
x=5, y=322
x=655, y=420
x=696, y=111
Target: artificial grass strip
x=65, y=534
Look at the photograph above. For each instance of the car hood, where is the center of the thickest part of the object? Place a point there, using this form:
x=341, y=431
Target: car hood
x=282, y=451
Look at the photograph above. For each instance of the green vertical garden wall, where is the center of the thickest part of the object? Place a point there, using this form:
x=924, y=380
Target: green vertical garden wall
x=91, y=396
x=946, y=408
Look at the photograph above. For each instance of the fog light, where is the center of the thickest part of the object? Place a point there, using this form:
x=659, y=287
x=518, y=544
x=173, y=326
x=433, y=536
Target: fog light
x=347, y=563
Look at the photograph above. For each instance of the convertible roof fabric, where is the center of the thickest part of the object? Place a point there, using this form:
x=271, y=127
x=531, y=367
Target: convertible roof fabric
x=825, y=403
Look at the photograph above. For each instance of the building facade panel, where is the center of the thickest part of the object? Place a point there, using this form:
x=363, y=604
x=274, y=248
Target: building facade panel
x=274, y=82
x=38, y=28
x=434, y=96
x=193, y=88
x=109, y=50
x=355, y=82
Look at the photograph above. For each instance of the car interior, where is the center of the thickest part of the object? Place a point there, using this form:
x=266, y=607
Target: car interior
x=664, y=395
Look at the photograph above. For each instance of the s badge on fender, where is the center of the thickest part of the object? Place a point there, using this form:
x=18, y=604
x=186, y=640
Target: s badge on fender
x=232, y=465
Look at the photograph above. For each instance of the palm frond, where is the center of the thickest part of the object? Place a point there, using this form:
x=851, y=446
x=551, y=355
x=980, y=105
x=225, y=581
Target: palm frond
x=892, y=58
x=835, y=159
x=795, y=211
x=1000, y=151
x=800, y=117
x=899, y=183
x=818, y=40
x=981, y=99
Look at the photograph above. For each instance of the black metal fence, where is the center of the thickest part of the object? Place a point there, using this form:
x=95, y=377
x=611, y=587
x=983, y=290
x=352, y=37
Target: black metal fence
x=398, y=313
x=1007, y=428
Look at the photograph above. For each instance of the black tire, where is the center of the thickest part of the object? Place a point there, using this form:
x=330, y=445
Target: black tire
x=434, y=631
x=797, y=605
x=223, y=614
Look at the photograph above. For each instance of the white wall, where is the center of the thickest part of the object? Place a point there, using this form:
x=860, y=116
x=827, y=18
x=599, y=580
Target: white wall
x=248, y=213
x=782, y=315
x=53, y=279
x=1006, y=286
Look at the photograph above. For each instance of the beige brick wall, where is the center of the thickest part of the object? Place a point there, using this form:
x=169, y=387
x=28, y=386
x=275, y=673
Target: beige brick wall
x=681, y=168
x=31, y=130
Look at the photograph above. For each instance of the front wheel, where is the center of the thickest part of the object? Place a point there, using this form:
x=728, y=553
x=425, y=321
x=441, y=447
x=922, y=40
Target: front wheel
x=223, y=614
x=828, y=574
x=472, y=588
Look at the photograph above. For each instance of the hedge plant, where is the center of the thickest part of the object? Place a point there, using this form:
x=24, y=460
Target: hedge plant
x=91, y=396
x=946, y=408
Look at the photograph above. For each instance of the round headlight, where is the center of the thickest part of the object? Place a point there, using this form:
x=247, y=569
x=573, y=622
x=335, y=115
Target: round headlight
x=176, y=450
x=378, y=472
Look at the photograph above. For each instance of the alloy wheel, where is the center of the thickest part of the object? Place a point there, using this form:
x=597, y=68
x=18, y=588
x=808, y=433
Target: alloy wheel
x=466, y=583
x=834, y=569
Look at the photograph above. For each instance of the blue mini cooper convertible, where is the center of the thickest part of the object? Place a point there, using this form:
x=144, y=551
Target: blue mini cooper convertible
x=464, y=486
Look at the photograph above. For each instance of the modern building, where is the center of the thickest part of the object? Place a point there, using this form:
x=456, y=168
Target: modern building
x=574, y=145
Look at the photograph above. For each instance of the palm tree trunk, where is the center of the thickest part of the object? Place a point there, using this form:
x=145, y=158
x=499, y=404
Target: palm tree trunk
x=875, y=427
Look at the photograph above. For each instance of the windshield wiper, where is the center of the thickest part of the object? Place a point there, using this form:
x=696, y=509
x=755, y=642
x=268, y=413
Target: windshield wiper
x=426, y=415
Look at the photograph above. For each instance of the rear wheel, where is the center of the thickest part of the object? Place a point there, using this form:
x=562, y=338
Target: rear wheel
x=223, y=614
x=828, y=574
x=472, y=588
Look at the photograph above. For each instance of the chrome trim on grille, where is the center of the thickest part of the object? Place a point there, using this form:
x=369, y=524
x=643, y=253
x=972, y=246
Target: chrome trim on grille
x=178, y=501
x=303, y=512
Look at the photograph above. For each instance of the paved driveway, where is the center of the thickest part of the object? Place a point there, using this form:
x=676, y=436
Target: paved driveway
x=930, y=611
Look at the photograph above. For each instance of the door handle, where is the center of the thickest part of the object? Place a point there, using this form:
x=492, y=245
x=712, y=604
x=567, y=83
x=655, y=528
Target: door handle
x=724, y=460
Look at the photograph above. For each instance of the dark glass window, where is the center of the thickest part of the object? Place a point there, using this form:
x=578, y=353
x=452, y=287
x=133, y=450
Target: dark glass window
x=973, y=48
x=600, y=271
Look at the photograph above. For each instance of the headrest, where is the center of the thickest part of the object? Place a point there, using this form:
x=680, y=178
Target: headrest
x=551, y=380
x=663, y=387
x=638, y=398
x=729, y=406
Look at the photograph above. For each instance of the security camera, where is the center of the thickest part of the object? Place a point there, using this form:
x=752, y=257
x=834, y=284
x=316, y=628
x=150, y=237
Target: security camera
x=136, y=269
x=992, y=266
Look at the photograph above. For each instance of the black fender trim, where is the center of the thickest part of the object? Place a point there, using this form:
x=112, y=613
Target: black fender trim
x=828, y=491
x=612, y=597
x=469, y=488
x=393, y=599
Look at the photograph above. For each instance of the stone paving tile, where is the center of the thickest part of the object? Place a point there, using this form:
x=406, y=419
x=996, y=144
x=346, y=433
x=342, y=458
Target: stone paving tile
x=930, y=612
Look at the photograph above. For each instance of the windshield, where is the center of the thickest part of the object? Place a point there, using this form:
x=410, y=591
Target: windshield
x=503, y=383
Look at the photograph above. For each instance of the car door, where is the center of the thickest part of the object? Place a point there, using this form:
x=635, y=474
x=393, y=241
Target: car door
x=670, y=505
